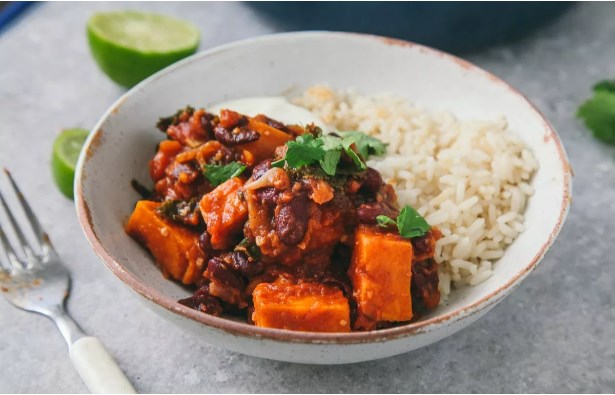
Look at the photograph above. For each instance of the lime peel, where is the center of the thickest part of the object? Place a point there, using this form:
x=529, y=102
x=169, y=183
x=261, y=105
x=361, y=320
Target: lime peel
x=66, y=149
x=129, y=46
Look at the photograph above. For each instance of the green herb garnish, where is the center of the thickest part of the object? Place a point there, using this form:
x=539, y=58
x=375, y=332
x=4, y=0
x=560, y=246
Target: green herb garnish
x=164, y=122
x=347, y=143
x=598, y=113
x=303, y=151
x=332, y=147
x=217, y=174
x=385, y=222
x=177, y=210
x=409, y=223
x=326, y=150
x=366, y=145
x=169, y=209
x=329, y=161
x=250, y=248
x=254, y=251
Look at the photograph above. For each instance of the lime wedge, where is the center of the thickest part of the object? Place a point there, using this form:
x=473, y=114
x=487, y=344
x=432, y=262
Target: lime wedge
x=66, y=149
x=130, y=46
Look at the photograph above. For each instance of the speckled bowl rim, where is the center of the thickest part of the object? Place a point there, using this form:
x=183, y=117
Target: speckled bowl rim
x=244, y=329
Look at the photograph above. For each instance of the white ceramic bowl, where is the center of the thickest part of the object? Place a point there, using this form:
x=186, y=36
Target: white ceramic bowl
x=124, y=139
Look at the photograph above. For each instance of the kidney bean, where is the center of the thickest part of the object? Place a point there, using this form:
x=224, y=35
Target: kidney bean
x=207, y=121
x=226, y=155
x=260, y=169
x=238, y=135
x=423, y=246
x=240, y=263
x=203, y=301
x=367, y=212
x=372, y=181
x=291, y=221
x=268, y=196
x=425, y=293
x=218, y=271
x=273, y=123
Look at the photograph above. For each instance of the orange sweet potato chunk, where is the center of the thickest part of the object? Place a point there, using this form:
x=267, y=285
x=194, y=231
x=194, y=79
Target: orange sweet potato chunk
x=224, y=212
x=174, y=247
x=303, y=307
x=270, y=139
x=380, y=273
x=167, y=150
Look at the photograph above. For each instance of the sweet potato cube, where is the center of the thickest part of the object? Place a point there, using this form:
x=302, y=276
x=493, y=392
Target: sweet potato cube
x=270, y=139
x=167, y=150
x=304, y=307
x=174, y=247
x=224, y=212
x=380, y=273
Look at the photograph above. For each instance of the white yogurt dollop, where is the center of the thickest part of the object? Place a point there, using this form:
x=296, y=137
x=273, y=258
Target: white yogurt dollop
x=276, y=107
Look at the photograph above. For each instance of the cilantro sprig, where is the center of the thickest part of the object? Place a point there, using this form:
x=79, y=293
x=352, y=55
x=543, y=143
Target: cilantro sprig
x=326, y=151
x=303, y=151
x=217, y=174
x=409, y=223
x=598, y=113
x=366, y=145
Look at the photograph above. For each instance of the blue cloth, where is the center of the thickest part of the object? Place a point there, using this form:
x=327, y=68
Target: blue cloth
x=11, y=11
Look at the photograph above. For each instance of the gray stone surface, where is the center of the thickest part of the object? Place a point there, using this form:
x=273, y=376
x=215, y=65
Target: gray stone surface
x=555, y=333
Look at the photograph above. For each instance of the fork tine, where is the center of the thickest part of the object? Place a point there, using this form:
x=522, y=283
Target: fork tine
x=41, y=235
x=22, y=238
x=9, y=252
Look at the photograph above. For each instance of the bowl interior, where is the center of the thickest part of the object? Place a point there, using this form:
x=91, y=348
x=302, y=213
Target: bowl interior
x=125, y=139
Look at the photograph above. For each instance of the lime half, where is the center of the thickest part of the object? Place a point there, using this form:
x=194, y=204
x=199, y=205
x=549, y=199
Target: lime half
x=66, y=149
x=130, y=46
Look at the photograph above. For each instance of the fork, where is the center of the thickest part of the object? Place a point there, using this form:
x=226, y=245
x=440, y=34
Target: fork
x=38, y=282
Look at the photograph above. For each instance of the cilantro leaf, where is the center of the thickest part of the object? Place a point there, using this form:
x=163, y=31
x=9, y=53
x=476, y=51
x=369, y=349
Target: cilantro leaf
x=326, y=150
x=384, y=221
x=346, y=144
x=330, y=142
x=303, y=151
x=329, y=161
x=217, y=174
x=333, y=150
x=366, y=145
x=598, y=113
x=411, y=224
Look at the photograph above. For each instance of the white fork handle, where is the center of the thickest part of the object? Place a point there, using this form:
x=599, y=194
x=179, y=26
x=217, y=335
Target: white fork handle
x=97, y=368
